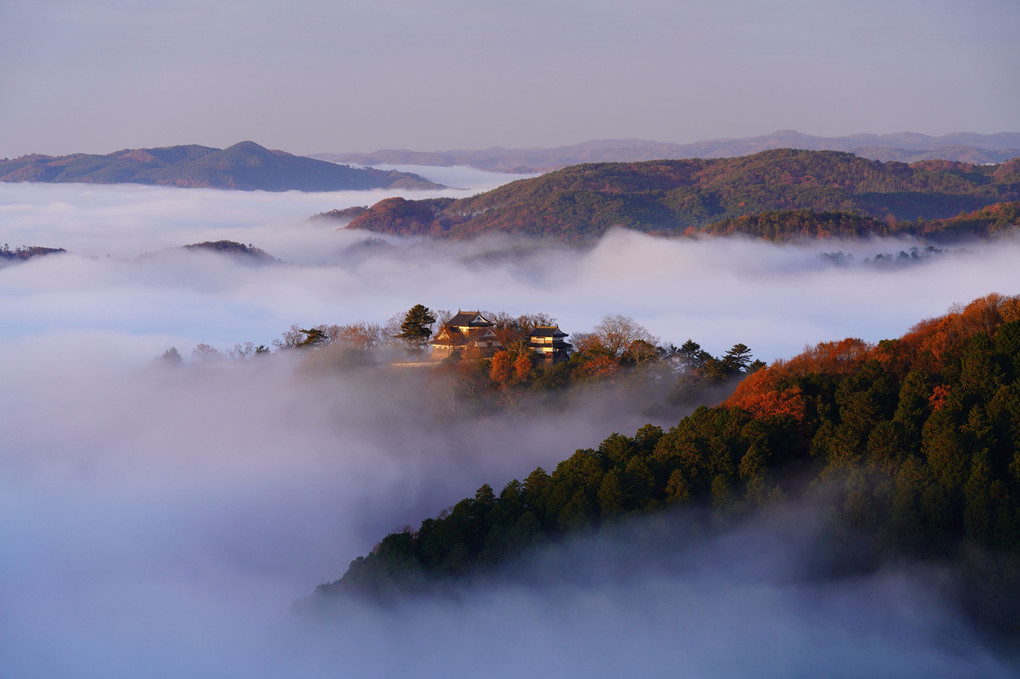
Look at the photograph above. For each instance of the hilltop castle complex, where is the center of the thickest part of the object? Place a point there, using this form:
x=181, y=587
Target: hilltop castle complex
x=470, y=336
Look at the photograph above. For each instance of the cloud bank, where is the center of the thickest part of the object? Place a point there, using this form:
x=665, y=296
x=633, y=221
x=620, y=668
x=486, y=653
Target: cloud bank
x=161, y=522
x=773, y=298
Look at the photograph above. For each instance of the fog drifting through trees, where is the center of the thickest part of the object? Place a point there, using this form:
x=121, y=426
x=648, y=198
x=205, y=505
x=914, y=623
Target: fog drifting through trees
x=161, y=522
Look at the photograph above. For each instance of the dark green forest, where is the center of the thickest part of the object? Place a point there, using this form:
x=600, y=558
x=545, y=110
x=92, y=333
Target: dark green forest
x=581, y=202
x=912, y=446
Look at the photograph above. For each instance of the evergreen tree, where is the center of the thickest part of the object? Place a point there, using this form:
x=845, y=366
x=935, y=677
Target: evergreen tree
x=737, y=359
x=313, y=338
x=416, y=329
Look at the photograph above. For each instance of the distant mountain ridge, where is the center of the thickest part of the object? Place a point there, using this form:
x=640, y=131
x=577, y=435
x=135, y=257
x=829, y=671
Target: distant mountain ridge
x=581, y=202
x=907, y=147
x=245, y=166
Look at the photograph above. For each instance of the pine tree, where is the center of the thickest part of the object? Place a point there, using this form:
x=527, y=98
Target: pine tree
x=416, y=330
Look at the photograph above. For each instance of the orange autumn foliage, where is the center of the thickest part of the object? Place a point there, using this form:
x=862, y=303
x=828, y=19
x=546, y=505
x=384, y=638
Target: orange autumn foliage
x=600, y=366
x=522, y=367
x=939, y=397
x=831, y=358
x=985, y=314
x=759, y=395
x=500, y=368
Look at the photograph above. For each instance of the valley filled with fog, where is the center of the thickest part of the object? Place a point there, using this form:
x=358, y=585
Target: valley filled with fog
x=162, y=522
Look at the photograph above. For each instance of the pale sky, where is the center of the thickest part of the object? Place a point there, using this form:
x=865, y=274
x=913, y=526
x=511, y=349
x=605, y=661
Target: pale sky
x=313, y=76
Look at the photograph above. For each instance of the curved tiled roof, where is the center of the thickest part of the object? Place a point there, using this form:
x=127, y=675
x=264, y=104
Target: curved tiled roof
x=548, y=331
x=469, y=318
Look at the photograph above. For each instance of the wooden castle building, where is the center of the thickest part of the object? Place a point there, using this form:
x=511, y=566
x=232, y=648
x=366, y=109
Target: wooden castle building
x=548, y=342
x=471, y=336
x=467, y=335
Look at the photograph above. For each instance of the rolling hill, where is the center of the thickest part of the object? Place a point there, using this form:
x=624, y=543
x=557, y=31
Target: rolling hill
x=245, y=166
x=581, y=202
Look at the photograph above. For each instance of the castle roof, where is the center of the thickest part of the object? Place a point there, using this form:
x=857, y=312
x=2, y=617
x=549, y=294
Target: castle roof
x=548, y=331
x=469, y=318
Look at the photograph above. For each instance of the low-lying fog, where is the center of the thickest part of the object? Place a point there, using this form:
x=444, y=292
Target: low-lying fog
x=160, y=523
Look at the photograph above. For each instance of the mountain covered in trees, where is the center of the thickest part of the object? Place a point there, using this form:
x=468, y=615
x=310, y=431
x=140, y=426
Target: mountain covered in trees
x=791, y=225
x=581, y=202
x=907, y=147
x=230, y=248
x=245, y=165
x=909, y=447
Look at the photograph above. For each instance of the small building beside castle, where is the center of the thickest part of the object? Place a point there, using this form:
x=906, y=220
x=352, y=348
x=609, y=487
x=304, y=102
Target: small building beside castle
x=547, y=341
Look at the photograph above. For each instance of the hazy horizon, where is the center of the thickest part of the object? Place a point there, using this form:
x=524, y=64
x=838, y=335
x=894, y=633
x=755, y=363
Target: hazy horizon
x=316, y=77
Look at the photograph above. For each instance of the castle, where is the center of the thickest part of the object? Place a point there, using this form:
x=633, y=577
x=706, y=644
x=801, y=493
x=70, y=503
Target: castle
x=469, y=335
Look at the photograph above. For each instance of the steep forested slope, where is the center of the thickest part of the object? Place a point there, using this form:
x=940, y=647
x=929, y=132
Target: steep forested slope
x=911, y=446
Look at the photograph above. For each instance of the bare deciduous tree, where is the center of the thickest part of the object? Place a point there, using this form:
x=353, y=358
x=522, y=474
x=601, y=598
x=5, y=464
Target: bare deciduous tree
x=613, y=336
x=242, y=351
x=205, y=352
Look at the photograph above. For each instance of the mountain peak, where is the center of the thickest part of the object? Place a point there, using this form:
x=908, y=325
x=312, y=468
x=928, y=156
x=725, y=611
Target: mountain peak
x=247, y=147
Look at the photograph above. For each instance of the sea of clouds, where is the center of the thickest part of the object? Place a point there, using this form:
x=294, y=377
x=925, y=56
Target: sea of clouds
x=161, y=522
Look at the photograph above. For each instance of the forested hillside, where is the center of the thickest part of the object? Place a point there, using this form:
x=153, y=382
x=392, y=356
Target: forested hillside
x=911, y=445
x=790, y=225
x=581, y=202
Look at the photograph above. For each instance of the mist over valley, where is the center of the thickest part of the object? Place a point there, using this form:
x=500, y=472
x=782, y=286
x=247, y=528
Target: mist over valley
x=160, y=520
x=522, y=393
